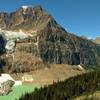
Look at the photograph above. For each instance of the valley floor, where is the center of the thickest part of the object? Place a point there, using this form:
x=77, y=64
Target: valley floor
x=41, y=77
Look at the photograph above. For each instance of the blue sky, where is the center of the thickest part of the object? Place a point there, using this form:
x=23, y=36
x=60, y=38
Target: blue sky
x=81, y=17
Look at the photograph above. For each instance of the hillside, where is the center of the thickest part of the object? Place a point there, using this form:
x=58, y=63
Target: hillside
x=31, y=39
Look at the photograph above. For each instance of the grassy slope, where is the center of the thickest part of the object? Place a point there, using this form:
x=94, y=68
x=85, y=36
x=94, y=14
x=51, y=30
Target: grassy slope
x=52, y=74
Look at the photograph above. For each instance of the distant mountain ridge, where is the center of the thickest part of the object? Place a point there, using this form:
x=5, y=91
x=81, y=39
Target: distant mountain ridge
x=45, y=42
x=97, y=40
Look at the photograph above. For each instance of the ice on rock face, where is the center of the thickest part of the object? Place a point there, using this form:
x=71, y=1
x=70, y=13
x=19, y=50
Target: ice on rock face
x=10, y=45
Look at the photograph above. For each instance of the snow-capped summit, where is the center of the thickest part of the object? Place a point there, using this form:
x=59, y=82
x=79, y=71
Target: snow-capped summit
x=25, y=7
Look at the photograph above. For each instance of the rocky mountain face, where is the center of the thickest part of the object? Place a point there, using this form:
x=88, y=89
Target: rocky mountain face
x=31, y=38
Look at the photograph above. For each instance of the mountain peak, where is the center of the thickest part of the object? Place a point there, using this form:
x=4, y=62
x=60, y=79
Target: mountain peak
x=23, y=17
x=45, y=41
x=35, y=8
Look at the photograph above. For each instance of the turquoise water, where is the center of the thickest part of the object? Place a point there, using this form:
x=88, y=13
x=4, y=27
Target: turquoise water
x=18, y=91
